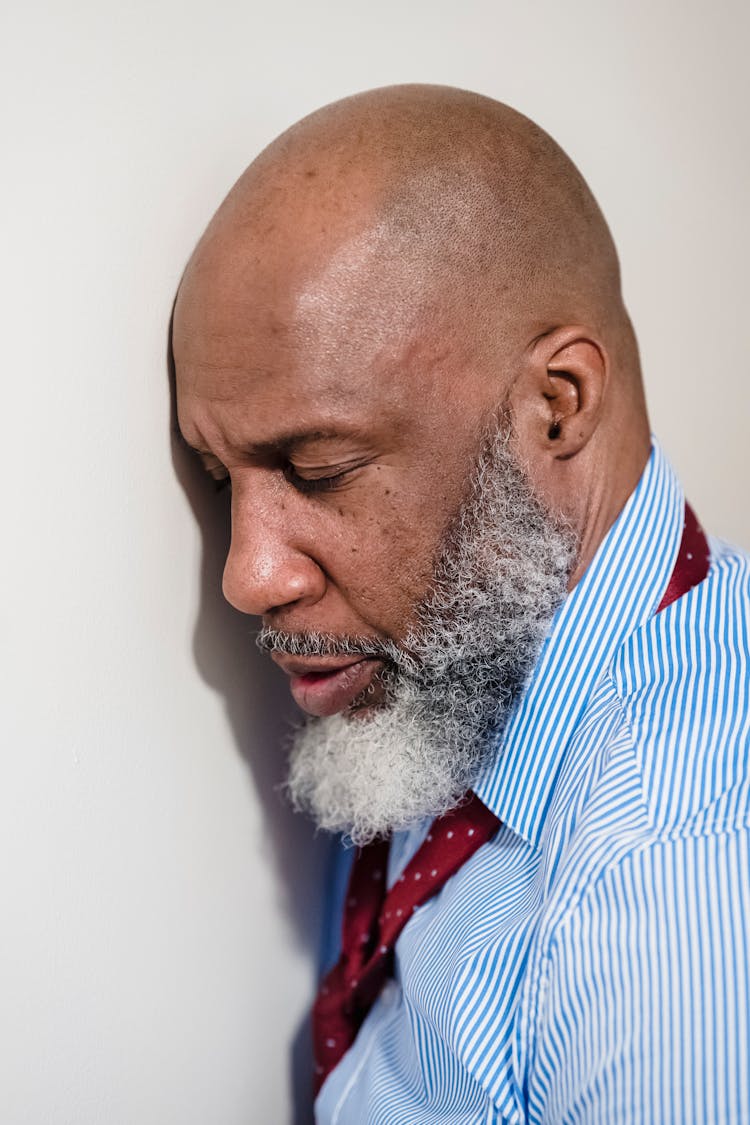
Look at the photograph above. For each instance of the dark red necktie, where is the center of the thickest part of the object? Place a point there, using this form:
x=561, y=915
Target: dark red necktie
x=374, y=918
x=693, y=560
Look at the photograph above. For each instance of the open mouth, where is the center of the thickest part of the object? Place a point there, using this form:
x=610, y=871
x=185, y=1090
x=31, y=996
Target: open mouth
x=328, y=691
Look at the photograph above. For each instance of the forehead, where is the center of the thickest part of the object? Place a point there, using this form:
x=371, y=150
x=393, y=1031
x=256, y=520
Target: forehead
x=307, y=337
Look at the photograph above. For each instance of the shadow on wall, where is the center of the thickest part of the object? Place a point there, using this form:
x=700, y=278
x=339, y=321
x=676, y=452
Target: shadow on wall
x=259, y=710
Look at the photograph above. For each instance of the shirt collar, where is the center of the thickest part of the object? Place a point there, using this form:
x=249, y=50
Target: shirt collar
x=619, y=592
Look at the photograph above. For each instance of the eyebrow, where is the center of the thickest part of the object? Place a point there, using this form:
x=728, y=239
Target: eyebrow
x=284, y=443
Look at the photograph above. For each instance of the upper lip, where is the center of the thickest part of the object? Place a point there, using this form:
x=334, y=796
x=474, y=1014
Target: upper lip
x=299, y=666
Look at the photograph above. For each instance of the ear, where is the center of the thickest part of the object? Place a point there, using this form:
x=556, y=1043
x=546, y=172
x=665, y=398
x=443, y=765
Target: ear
x=563, y=392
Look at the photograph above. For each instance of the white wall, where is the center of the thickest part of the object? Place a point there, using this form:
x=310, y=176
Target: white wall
x=159, y=919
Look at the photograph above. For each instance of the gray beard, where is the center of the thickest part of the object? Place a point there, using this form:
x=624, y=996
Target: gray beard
x=501, y=574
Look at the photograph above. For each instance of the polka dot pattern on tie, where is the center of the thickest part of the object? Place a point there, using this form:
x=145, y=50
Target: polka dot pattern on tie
x=693, y=561
x=373, y=921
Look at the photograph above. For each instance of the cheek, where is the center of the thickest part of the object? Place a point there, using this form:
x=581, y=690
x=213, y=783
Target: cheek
x=385, y=557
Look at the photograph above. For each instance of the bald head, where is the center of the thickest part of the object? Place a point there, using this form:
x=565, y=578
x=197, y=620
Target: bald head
x=447, y=199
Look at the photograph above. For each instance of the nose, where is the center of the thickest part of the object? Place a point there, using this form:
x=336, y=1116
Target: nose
x=265, y=570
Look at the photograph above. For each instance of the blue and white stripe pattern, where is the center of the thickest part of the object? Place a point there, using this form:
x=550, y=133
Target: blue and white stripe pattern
x=591, y=963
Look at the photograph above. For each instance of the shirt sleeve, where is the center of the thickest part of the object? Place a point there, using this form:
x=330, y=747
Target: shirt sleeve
x=641, y=1009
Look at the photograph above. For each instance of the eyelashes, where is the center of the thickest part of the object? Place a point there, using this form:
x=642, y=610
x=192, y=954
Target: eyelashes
x=306, y=485
x=311, y=485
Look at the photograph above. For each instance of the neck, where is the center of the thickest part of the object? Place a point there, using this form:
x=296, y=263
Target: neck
x=611, y=481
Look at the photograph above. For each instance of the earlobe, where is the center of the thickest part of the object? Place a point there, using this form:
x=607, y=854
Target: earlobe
x=572, y=367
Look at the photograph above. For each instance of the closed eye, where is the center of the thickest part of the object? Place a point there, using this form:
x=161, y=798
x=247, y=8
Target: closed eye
x=309, y=485
x=306, y=485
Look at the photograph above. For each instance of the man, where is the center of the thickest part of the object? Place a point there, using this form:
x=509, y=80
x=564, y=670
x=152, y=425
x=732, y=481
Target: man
x=402, y=340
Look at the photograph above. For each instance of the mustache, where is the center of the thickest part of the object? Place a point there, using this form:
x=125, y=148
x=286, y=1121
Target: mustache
x=311, y=643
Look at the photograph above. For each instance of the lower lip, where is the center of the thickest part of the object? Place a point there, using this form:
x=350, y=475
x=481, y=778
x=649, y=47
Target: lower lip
x=327, y=693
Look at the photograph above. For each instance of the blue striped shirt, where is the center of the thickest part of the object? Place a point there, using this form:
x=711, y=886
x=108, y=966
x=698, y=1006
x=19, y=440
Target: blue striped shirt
x=591, y=963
